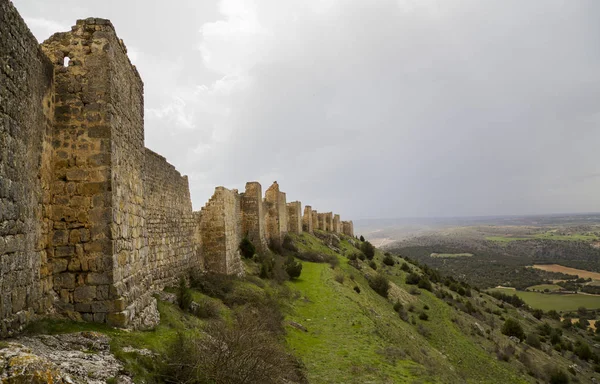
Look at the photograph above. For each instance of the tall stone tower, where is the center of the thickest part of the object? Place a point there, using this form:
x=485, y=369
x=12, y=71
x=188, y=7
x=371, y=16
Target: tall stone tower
x=99, y=245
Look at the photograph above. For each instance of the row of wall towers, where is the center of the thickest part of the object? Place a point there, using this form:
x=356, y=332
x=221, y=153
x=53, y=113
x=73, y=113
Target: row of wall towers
x=229, y=216
x=91, y=221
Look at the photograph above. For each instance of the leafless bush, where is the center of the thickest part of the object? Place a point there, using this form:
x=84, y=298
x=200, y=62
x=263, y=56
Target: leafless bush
x=244, y=352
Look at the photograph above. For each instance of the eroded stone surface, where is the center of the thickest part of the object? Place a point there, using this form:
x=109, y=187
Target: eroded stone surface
x=70, y=358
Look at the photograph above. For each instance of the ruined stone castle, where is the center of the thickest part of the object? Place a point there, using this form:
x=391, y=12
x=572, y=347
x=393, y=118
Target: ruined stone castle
x=91, y=221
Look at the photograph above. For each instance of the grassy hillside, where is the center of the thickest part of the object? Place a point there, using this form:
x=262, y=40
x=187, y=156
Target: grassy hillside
x=330, y=326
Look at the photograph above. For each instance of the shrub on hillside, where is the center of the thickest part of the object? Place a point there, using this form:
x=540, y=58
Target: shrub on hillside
x=293, y=268
x=553, y=314
x=512, y=327
x=242, y=352
x=380, y=284
x=276, y=247
x=288, y=244
x=373, y=264
x=267, y=265
x=424, y=283
x=352, y=256
x=368, y=249
x=206, y=309
x=537, y=313
x=315, y=257
x=247, y=249
x=423, y=316
x=388, y=260
x=361, y=238
x=339, y=277
x=405, y=267
x=184, y=294
x=582, y=350
x=212, y=284
x=356, y=289
x=557, y=376
x=398, y=306
x=412, y=278
x=533, y=340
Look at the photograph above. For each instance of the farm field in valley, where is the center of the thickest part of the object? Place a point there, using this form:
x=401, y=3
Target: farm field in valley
x=558, y=302
x=568, y=271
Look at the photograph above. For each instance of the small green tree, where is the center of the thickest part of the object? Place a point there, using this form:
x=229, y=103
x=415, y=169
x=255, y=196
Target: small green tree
x=558, y=376
x=388, y=260
x=247, y=249
x=380, y=284
x=184, y=295
x=582, y=350
x=293, y=267
x=362, y=238
x=368, y=249
x=533, y=340
x=512, y=327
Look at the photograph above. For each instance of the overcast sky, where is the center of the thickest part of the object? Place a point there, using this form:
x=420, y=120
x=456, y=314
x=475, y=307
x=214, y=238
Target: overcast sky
x=370, y=109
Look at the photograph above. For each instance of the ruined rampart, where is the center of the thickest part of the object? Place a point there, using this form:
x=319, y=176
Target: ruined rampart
x=307, y=219
x=277, y=215
x=336, y=224
x=170, y=224
x=220, y=231
x=91, y=221
x=348, y=228
x=26, y=107
x=254, y=215
x=294, y=217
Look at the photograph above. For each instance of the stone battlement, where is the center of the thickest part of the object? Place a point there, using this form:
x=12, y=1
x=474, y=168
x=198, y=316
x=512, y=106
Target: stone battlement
x=91, y=221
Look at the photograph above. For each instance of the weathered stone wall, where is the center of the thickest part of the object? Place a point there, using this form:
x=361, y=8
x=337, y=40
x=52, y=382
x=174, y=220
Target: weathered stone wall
x=220, y=232
x=329, y=222
x=348, y=228
x=307, y=219
x=169, y=220
x=90, y=220
x=321, y=220
x=336, y=226
x=253, y=215
x=315, y=220
x=276, y=214
x=26, y=107
x=294, y=217
x=99, y=239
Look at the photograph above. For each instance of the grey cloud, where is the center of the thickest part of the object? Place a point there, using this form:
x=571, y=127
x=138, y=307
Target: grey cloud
x=372, y=109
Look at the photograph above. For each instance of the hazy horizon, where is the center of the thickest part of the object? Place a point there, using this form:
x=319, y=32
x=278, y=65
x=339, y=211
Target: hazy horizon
x=392, y=108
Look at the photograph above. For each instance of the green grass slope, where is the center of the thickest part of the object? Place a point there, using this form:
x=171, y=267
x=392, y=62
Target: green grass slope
x=359, y=338
x=341, y=331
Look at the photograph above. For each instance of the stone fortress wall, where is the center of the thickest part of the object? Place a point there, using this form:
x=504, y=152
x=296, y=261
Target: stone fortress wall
x=91, y=221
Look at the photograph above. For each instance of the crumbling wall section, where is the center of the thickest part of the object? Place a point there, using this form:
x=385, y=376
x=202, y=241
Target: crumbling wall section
x=221, y=232
x=348, y=228
x=294, y=210
x=26, y=108
x=253, y=215
x=336, y=226
x=328, y=222
x=307, y=219
x=170, y=223
x=99, y=235
x=276, y=207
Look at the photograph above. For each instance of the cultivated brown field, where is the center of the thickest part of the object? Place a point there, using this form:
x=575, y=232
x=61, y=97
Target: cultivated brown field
x=567, y=270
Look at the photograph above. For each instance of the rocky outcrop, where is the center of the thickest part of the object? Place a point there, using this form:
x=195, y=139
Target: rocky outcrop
x=80, y=358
